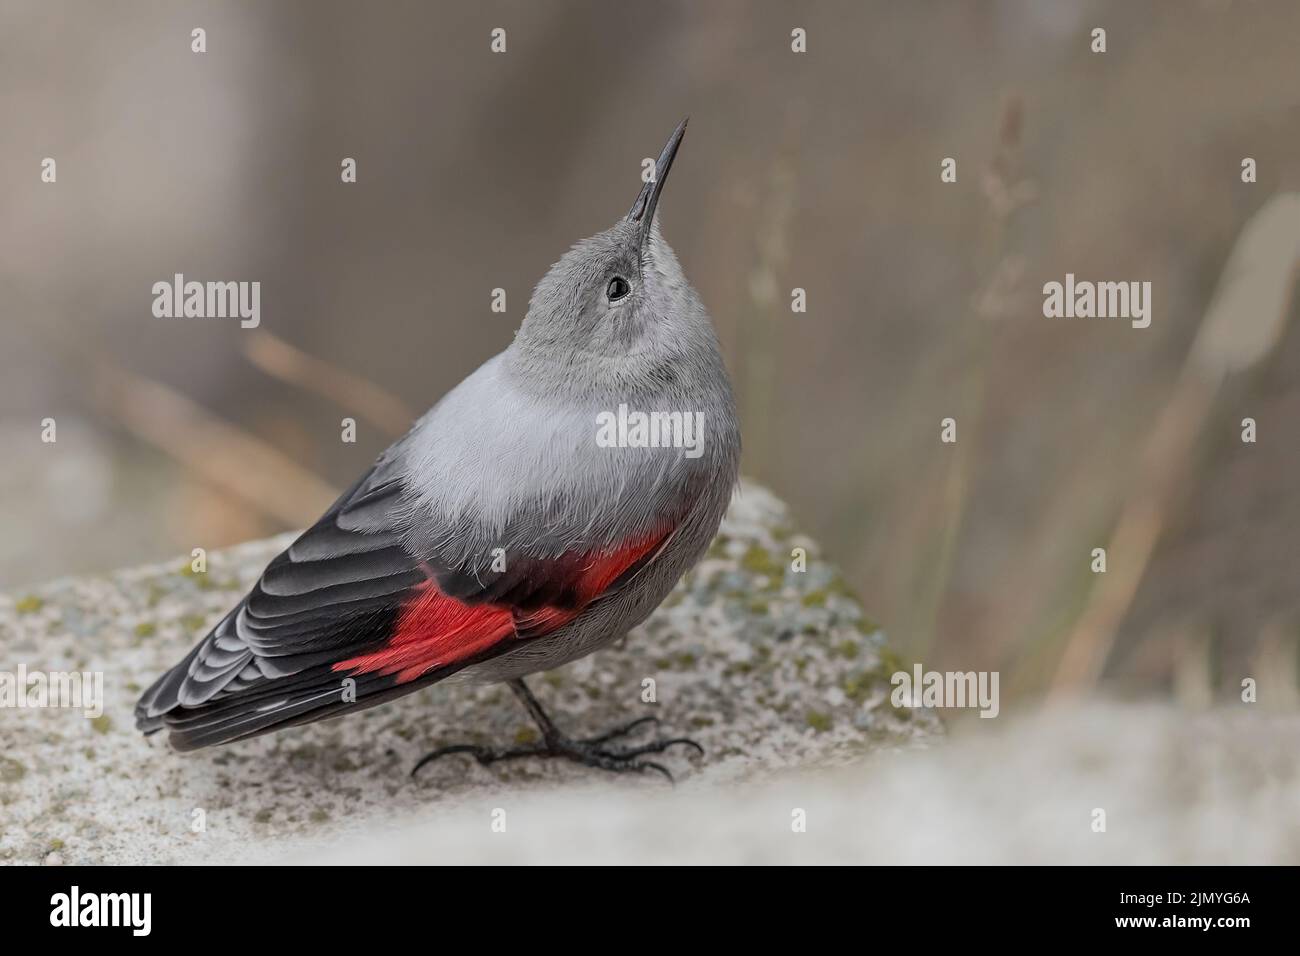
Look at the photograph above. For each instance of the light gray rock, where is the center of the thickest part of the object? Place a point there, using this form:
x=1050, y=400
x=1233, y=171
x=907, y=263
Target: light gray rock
x=1220, y=787
x=769, y=668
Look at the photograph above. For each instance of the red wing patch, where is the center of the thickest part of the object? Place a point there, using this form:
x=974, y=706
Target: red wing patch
x=434, y=630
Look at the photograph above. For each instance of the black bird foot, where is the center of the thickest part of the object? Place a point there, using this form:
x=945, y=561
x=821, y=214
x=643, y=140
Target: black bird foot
x=579, y=751
x=589, y=751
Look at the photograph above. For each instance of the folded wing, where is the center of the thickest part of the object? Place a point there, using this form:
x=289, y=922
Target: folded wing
x=346, y=618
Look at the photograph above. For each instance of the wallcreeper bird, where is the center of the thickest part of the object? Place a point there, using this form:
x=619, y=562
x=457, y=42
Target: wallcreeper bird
x=498, y=537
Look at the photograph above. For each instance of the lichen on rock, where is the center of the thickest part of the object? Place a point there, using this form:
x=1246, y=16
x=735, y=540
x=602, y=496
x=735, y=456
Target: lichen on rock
x=768, y=667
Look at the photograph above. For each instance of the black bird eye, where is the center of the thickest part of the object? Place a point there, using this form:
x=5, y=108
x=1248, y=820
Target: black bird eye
x=618, y=288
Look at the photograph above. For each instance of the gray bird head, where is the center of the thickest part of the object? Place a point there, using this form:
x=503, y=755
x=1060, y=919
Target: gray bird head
x=617, y=300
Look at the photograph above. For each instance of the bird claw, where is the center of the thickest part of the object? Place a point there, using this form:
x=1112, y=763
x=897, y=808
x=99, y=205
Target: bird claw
x=621, y=731
x=659, y=746
x=587, y=752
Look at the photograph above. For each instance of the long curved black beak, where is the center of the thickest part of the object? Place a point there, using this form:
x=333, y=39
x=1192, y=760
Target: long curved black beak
x=643, y=210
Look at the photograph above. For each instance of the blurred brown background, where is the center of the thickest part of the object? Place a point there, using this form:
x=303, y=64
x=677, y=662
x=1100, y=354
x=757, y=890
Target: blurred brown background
x=816, y=170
